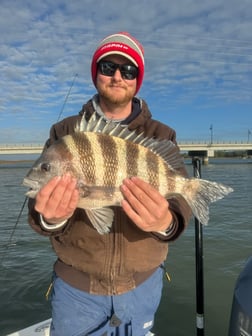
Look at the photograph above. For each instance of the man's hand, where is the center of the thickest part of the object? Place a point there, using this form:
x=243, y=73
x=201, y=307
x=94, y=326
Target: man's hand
x=58, y=199
x=145, y=206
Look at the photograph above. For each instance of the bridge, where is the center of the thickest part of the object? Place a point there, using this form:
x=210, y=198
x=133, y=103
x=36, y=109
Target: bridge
x=201, y=149
x=206, y=150
x=8, y=149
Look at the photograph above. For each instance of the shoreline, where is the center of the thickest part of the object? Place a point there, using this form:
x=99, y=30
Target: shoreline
x=15, y=161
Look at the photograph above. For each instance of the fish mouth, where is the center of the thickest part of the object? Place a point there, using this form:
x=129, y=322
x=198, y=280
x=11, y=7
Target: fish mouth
x=33, y=185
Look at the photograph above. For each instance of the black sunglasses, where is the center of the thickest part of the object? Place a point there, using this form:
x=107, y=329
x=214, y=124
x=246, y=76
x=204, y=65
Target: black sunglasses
x=127, y=71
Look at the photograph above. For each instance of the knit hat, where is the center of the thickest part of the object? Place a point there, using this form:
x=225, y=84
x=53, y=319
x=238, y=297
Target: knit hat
x=121, y=44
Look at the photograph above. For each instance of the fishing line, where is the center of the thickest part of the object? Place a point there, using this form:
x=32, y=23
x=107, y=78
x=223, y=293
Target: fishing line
x=9, y=243
x=22, y=208
x=66, y=98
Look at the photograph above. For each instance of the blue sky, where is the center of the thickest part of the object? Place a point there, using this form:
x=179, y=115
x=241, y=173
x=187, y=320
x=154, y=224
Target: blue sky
x=198, y=56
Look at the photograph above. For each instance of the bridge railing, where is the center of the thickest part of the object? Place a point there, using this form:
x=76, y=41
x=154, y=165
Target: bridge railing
x=21, y=145
x=180, y=142
x=216, y=142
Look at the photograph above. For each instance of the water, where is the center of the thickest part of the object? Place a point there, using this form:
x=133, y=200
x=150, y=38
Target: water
x=26, y=268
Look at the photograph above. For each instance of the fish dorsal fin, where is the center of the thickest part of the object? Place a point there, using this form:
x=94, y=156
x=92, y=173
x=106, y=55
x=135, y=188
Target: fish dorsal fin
x=164, y=148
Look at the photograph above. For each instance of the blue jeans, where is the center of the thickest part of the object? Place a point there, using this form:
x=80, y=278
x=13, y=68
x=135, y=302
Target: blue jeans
x=77, y=313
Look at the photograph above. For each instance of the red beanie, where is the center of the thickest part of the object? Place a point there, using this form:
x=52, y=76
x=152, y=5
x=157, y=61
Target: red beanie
x=121, y=44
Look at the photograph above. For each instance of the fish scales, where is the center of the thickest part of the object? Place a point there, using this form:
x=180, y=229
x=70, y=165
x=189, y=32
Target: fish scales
x=98, y=159
x=109, y=156
x=137, y=164
x=140, y=162
x=131, y=166
x=153, y=169
x=122, y=161
x=85, y=161
x=100, y=155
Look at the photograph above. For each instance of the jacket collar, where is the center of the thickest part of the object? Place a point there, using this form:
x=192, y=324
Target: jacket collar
x=140, y=112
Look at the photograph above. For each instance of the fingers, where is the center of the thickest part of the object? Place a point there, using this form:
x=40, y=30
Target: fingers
x=142, y=195
x=145, y=206
x=136, y=198
x=58, y=199
x=140, y=185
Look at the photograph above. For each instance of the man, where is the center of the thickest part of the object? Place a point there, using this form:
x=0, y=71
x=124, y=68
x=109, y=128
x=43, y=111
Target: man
x=109, y=284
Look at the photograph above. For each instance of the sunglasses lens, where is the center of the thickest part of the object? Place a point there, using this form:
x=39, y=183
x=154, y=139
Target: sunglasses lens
x=107, y=68
x=129, y=72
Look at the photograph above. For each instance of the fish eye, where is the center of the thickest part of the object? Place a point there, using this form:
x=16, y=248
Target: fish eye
x=45, y=167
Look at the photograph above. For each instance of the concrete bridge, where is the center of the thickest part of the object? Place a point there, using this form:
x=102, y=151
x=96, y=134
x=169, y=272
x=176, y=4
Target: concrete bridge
x=8, y=149
x=206, y=150
x=201, y=149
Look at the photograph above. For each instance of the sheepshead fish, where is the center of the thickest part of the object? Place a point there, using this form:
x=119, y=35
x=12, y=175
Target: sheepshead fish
x=101, y=154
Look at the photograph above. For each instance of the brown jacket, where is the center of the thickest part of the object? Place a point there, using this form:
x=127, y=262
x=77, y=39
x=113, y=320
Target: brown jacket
x=116, y=262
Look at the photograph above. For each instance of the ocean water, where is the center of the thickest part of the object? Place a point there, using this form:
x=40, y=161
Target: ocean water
x=26, y=258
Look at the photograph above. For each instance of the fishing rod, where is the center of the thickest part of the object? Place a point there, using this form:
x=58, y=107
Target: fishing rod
x=199, y=261
x=26, y=198
x=66, y=98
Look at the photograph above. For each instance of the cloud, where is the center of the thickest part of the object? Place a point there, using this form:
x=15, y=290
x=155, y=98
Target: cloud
x=198, y=58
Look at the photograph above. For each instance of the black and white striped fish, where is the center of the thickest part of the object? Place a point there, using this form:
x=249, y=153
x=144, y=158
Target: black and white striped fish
x=101, y=154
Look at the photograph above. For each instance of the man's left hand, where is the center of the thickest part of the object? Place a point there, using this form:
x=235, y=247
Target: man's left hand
x=145, y=206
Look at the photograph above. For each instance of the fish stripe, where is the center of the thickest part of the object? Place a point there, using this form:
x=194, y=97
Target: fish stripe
x=132, y=159
x=109, y=152
x=152, y=168
x=86, y=163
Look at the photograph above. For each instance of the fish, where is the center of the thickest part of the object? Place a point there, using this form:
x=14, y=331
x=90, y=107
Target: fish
x=101, y=153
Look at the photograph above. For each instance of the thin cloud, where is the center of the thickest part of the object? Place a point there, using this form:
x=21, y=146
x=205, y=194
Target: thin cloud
x=198, y=62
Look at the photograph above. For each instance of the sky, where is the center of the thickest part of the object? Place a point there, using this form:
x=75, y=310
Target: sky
x=198, y=63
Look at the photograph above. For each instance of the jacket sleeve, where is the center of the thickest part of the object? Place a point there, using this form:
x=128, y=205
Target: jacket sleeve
x=181, y=214
x=34, y=222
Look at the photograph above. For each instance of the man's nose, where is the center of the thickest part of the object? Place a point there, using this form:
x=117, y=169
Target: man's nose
x=117, y=75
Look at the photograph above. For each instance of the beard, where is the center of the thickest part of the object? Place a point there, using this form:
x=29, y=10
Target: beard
x=120, y=97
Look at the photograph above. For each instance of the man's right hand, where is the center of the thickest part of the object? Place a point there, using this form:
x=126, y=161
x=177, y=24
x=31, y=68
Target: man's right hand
x=58, y=199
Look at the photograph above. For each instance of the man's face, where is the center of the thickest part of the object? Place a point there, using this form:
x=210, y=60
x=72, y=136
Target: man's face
x=115, y=89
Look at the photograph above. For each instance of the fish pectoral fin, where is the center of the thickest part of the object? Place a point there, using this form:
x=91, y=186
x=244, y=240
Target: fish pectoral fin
x=101, y=219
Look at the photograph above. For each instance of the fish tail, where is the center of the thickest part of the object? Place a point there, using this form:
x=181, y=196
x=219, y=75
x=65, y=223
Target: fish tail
x=201, y=193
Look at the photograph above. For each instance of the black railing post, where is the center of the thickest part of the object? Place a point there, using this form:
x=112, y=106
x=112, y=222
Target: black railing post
x=199, y=262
